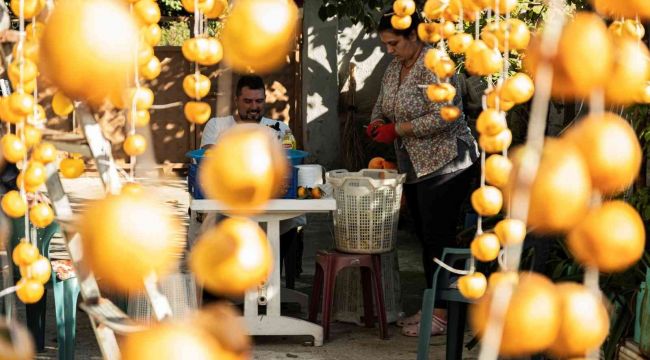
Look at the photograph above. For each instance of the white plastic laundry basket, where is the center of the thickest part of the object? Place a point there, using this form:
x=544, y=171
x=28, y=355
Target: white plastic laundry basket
x=367, y=209
x=180, y=290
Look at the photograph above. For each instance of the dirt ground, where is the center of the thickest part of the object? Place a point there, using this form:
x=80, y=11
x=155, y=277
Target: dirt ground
x=347, y=341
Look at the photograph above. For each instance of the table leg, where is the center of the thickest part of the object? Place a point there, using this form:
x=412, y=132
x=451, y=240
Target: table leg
x=274, y=284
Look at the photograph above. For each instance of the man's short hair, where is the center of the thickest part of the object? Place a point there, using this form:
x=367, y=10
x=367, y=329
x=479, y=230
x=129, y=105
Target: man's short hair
x=253, y=82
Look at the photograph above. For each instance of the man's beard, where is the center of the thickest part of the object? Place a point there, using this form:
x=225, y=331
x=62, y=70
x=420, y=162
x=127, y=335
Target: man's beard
x=251, y=116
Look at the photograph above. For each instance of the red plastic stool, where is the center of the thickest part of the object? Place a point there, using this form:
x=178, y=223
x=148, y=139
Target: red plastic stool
x=329, y=263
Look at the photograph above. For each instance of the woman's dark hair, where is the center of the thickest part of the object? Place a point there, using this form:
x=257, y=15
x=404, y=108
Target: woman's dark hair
x=385, y=25
x=253, y=82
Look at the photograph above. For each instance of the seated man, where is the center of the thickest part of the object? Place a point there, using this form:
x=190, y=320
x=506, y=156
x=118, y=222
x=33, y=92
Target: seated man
x=250, y=101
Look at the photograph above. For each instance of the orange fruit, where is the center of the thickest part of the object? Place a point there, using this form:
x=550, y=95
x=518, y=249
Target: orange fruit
x=72, y=168
x=34, y=174
x=629, y=73
x=196, y=86
x=21, y=184
x=151, y=69
x=232, y=257
x=432, y=57
x=496, y=143
x=510, y=231
x=448, y=29
x=31, y=134
x=141, y=118
x=445, y=68
x=37, y=116
x=450, y=113
x=142, y=97
x=29, y=291
x=491, y=122
x=30, y=72
x=217, y=9
x=561, y=191
x=443, y=92
x=30, y=8
x=633, y=29
x=245, y=168
x=487, y=200
x=400, y=22
x=388, y=165
x=135, y=145
x=261, y=46
x=24, y=253
x=203, y=5
x=34, y=30
x=459, y=43
x=485, y=247
x=147, y=12
x=39, y=270
x=497, y=170
x=197, y=112
x=145, y=53
x=21, y=103
x=499, y=277
x=13, y=204
x=429, y=32
x=629, y=9
x=100, y=39
x=532, y=321
x=13, y=149
x=494, y=100
x=151, y=34
x=518, y=89
x=404, y=7
x=611, y=237
x=210, y=53
x=472, y=286
x=585, y=322
x=61, y=104
x=41, y=215
x=518, y=34
x=643, y=95
x=132, y=188
x=44, y=153
x=173, y=341
x=30, y=50
x=225, y=324
x=434, y=8
x=376, y=163
x=488, y=34
x=121, y=246
x=611, y=149
x=581, y=38
x=194, y=48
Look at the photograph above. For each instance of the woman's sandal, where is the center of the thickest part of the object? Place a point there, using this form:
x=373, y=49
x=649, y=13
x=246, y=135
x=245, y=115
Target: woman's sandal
x=438, y=327
x=411, y=320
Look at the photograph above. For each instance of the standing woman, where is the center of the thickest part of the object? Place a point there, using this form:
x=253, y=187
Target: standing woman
x=438, y=157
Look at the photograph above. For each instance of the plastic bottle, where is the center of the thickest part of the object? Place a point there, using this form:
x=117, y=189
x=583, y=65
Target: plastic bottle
x=288, y=141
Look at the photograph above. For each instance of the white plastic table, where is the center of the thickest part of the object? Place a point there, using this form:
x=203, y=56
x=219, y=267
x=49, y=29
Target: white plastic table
x=273, y=323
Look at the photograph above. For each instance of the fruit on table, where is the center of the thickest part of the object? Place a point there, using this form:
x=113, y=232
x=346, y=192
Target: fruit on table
x=561, y=191
x=13, y=205
x=245, y=169
x=472, y=286
x=29, y=291
x=302, y=193
x=41, y=215
x=101, y=36
x=532, y=321
x=485, y=247
x=71, y=168
x=39, y=270
x=611, y=237
x=585, y=322
x=24, y=253
x=316, y=193
x=132, y=188
x=232, y=257
x=121, y=245
x=611, y=149
x=261, y=46
x=487, y=200
x=376, y=163
x=510, y=231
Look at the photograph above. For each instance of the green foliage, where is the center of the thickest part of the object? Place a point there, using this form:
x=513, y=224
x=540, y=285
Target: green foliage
x=174, y=33
x=171, y=7
x=366, y=12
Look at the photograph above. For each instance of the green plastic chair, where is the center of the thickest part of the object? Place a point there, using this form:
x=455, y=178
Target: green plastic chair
x=456, y=311
x=65, y=296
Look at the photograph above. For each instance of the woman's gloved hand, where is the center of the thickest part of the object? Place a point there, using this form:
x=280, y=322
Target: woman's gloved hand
x=374, y=125
x=385, y=134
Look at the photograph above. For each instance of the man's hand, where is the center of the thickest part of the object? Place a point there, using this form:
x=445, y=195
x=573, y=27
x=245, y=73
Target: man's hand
x=385, y=134
x=374, y=125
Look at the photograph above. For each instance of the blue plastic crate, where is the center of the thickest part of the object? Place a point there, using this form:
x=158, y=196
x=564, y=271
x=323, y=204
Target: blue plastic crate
x=295, y=157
